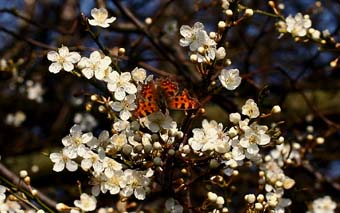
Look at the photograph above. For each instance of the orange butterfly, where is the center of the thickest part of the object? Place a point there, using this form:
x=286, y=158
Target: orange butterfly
x=160, y=94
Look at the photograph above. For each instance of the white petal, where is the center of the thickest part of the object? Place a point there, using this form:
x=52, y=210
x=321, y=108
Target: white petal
x=198, y=26
x=76, y=131
x=110, y=20
x=264, y=139
x=87, y=137
x=100, y=74
x=52, y=56
x=125, y=115
x=73, y=57
x=253, y=149
x=111, y=86
x=130, y=88
x=58, y=166
x=114, y=76
x=71, y=166
x=87, y=72
x=95, y=56
x=108, y=173
x=117, y=106
x=104, y=25
x=125, y=76
x=93, y=22
x=95, y=12
x=84, y=62
x=68, y=66
x=98, y=167
x=119, y=94
x=55, y=157
x=244, y=142
x=184, y=42
x=63, y=51
x=55, y=67
x=185, y=31
x=114, y=190
x=86, y=164
x=139, y=193
x=104, y=135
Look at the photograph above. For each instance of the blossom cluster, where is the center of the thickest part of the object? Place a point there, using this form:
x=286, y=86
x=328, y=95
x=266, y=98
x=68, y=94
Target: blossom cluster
x=100, y=157
x=300, y=27
x=203, y=48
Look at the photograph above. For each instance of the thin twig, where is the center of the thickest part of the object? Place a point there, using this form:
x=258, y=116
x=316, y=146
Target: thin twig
x=27, y=40
x=16, y=180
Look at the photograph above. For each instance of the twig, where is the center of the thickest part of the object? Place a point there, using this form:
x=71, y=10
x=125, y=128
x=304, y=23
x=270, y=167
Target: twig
x=156, y=43
x=27, y=40
x=320, y=177
x=16, y=180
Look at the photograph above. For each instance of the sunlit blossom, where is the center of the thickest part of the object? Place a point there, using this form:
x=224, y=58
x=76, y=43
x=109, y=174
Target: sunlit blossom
x=63, y=59
x=100, y=18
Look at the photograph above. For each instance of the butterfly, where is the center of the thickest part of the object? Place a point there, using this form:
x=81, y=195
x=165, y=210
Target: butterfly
x=160, y=94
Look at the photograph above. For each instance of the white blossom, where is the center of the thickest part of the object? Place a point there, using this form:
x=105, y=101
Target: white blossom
x=250, y=109
x=95, y=65
x=34, y=91
x=92, y=160
x=298, y=25
x=119, y=140
x=15, y=119
x=137, y=183
x=61, y=160
x=230, y=79
x=110, y=166
x=253, y=136
x=125, y=106
x=86, y=202
x=323, y=205
x=63, y=59
x=195, y=37
x=220, y=53
x=116, y=182
x=210, y=137
x=120, y=84
x=75, y=142
x=138, y=75
x=100, y=18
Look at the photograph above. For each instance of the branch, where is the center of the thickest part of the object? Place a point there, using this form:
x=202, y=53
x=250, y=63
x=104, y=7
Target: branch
x=27, y=40
x=155, y=42
x=20, y=184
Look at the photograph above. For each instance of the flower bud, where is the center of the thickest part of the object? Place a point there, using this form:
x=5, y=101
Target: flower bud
x=23, y=173
x=276, y=109
x=220, y=200
x=148, y=21
x=249, y=12
x=221, y=24
x=229, y=12
x=258, y=206
x=320, y=140
x=250, y=198
x=212, y=196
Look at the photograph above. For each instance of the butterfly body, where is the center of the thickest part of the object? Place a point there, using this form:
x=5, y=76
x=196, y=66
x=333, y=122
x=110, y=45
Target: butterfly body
x=162, y=94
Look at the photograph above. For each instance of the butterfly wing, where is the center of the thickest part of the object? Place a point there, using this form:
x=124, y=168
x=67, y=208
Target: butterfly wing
x=183, y=101
x=169, y=88
x=147, y=100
